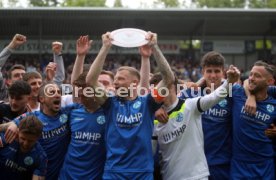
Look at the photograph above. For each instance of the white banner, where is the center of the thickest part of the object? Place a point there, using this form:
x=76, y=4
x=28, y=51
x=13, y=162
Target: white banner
x=69, y=46
x=229, y=47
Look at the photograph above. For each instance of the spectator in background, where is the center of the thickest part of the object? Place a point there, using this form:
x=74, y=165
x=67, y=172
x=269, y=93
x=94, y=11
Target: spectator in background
x=19, y=93
x=16, y=72
x=34, y=79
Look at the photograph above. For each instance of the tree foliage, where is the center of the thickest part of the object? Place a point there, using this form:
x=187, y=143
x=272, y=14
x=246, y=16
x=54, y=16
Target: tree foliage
x=220, y=3
x=235, y=3
x=157, y=3
x=84, y=3
x=118, y=3
x=11, y=3
x=68, y=3
x=262, y=4
x=168, y=3
x=44, y=3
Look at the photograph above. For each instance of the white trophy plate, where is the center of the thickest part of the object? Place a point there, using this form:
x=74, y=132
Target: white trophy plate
x=129, y=37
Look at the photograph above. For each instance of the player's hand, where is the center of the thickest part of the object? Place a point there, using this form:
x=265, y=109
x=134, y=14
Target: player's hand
x=233, y=74
x=83, y=45
x=271, y=132
x=250, y=105
x=161, y=115
x=57, y=47
x=11, y=133
x=17, y=41
x=152, y=38
x=106, y=40
x=145, y=51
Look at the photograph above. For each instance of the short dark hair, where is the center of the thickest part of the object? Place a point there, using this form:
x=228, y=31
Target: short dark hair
x=269, y=68
x=31, y=125
x=109, y=73
x=212, y=58
x=16, y=66
x=156, y=78
x=80, y=81
x=19, y=88
x=30, y=75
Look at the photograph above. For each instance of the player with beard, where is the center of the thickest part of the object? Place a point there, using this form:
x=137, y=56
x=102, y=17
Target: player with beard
x=129, y=116
x=24, y=158
x=19, y=93
x=55, y=134
x=252, y=149
x=85, y=157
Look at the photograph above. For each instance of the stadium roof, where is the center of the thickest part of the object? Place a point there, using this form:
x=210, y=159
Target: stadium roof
x=168, y=23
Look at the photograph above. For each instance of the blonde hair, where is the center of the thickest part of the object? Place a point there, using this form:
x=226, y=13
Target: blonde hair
x=131, y=70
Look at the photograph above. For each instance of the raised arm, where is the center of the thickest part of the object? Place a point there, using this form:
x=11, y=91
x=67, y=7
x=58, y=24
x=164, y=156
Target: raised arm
x=145, y=52
x=163, y=66
x=50, y=71
x=97, y=65
x=60, y=72
x=208, y=101
x=82, y=47
x=16, y=41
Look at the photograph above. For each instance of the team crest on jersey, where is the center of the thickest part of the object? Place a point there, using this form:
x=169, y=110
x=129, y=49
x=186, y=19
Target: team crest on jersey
x=63, y=118
x=270, y=108
x=179, y=117
x=28, y=160
x=101, y=120
x=137, y=105
x=223, y=103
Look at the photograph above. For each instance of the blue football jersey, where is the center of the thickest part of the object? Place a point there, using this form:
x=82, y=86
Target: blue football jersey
x=250, y=144
x=217, y=129
x=128, y=134
x=85, y=157
x=272, y=91
x=18, y=165
x=55, y=137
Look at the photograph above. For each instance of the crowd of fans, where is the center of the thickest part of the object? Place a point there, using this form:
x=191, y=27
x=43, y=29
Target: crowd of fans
x=185, y=69
x=121, y=127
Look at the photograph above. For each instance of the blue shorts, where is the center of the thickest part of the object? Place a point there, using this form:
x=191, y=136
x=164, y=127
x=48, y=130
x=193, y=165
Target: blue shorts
x=219, y=172
x=127, y=176
x=244, y=170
